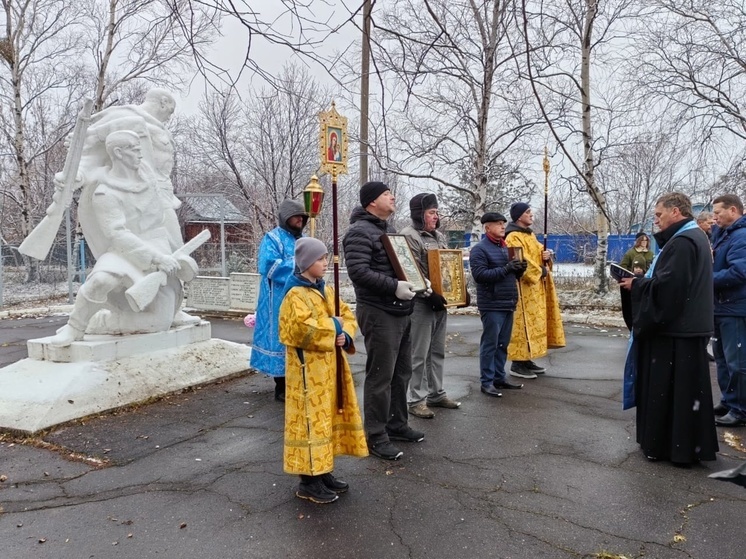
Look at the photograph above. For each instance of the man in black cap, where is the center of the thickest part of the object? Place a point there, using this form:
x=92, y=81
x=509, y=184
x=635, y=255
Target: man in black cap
x=537, y=323
x=497, y=294
x=429, y=315
x=384, y=304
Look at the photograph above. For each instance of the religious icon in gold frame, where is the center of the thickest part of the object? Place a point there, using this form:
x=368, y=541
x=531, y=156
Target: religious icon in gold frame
x=446, y=267
x=333, y=142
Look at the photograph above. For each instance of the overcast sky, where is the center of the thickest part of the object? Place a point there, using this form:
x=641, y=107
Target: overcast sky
x=230, y=50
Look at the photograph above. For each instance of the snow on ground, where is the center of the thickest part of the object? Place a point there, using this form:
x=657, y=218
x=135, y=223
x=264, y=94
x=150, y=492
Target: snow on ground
x=575, y=287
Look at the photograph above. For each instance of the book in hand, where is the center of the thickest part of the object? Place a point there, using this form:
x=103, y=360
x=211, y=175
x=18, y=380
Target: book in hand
x=619, y=273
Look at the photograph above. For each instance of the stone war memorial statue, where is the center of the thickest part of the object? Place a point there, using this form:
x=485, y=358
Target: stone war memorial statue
x=127, y=211
x=129, y=307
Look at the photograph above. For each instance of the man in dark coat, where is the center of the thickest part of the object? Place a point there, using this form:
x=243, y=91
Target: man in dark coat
x=729, y=250
x=497, y=295
x=672, y=320
x=383, y=307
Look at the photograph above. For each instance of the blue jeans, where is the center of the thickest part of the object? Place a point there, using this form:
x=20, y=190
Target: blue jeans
x=729, y=350
x=497, y=326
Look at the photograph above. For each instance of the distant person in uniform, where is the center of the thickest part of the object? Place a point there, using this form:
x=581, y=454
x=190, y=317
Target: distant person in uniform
x=640, y=255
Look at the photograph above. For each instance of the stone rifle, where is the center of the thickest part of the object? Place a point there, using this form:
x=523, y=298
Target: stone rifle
x=40, y=240
x=142, y=293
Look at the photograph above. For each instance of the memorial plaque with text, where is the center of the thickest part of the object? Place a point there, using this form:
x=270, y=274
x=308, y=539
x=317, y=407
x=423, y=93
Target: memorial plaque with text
x=244, y=291
x=209, y=293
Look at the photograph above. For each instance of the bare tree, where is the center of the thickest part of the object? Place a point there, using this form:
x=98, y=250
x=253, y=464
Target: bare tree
x=301, y=27
x=691, y=56
x=131, y=40
x=266, y=150
x=637, y=172
x=565, y=39
x=39, y=71
x=453, y=109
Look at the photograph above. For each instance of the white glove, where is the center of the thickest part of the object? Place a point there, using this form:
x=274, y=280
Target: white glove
x=404, y=291
x=429, y=286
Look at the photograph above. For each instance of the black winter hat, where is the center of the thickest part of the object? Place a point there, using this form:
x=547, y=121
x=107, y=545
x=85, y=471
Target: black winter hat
x=491, y=217
x=370, y=191
x=517, y=210
x=418, y=205
x=641, y=234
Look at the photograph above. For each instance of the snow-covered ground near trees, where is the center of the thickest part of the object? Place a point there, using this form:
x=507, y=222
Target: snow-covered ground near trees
x=575, y=286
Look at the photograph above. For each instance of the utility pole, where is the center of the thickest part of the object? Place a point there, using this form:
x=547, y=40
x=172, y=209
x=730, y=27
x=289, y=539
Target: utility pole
x=364, y=91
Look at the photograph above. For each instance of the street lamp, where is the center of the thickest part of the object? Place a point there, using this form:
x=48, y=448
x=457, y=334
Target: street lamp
x=313, y=198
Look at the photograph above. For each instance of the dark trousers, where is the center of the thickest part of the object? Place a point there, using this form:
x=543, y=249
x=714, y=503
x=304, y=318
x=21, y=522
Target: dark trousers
x=497, y=326
x=729, y=349
x=388, y=369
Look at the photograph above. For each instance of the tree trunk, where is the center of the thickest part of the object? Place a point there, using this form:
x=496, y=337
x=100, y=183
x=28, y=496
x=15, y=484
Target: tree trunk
x=101, y=92
x=19, y=148
x=602, y=223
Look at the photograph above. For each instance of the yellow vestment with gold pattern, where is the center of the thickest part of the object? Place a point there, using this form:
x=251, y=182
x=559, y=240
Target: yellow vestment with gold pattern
x=537, y=323
x=315, y=431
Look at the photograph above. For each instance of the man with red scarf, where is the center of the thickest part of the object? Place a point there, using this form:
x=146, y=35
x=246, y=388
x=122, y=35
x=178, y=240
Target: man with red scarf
x=497, y=295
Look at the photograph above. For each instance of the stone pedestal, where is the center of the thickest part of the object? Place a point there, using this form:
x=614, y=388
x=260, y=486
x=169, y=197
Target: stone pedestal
x=108, y=348
x=57, y=385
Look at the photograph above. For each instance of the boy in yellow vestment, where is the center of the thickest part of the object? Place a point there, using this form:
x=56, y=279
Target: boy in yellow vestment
x=315, y=430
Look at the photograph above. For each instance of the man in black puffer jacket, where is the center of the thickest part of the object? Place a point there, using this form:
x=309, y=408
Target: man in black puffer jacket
x=497, y=294
x=384, y=304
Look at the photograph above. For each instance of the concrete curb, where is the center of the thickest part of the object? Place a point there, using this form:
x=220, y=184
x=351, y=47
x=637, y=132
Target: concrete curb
x=590, y=318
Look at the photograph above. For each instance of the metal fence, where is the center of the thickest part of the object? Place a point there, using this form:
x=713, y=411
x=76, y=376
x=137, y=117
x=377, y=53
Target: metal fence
x=54, y=280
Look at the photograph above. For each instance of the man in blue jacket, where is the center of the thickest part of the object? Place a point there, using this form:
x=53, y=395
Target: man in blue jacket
x=729, y=281
x=497, y=294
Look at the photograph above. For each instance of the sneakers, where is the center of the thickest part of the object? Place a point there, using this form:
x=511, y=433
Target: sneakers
x=336, y=485
x=421, y=410
x=408, y=435
x=519, y=369
x=531, y=366
x=385, y=450
x=730, y=419
x=313, y=489
x=445, y=402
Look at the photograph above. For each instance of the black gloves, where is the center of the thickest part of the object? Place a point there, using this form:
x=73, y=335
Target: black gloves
x=516, y=267
x=437, y=301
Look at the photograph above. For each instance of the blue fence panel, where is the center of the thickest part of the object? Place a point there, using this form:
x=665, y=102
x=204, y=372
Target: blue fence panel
x=570, y=248
x=582, y=248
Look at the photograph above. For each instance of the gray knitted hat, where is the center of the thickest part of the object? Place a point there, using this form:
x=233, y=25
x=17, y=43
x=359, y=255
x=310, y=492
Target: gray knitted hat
x=307, y=251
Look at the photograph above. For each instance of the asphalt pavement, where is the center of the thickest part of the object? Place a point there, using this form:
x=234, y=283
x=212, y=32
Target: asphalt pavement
x=549, y=471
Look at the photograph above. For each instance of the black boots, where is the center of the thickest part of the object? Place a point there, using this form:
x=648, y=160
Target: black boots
x=314, y=490
x=336, y=485
x=321, y=489
x=280, y=389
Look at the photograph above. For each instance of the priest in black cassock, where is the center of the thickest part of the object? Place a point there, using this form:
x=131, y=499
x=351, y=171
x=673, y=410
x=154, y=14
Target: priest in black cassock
x=668, y=373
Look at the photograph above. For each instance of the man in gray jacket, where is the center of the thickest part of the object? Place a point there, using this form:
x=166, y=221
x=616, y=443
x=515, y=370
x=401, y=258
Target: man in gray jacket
x=429, y=315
